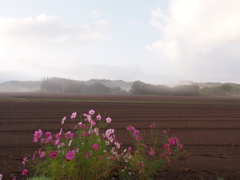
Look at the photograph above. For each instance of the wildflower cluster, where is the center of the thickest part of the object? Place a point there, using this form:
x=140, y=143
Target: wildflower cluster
x=89, y=152
x=149, y=158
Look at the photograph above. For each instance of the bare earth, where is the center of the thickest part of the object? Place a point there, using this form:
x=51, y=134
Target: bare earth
x=209, y=128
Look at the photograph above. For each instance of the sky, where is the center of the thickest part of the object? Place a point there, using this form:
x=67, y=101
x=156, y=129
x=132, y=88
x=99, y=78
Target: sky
x=154, y=41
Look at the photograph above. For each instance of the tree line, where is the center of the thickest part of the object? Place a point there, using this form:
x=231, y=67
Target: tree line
x=55, y=84
x=139, y=87
x=226, y=89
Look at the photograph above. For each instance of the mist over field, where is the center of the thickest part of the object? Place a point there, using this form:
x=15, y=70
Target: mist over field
x=120, y=87
x=156, y=42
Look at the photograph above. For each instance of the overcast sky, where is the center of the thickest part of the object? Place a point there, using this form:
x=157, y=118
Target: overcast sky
x=155, y=41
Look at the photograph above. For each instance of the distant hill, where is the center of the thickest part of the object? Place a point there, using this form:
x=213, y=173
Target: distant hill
x=93, y=86
x=120, y=87
x=20, y=86
x=32, y=86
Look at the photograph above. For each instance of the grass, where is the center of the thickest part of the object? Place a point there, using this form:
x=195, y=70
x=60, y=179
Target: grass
x=40, y=178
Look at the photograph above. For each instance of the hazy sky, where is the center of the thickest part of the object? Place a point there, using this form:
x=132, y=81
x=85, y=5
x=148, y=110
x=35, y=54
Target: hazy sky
x=155, y=41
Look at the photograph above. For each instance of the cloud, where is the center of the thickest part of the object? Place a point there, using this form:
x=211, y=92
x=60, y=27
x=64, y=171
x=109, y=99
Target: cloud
x=17, y=76
x=49, y=30
x=84, y=71
x=131, y=21
x=95, y=14
x=193, y=29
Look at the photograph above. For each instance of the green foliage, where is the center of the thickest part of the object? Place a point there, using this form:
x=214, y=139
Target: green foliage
x=40, y=178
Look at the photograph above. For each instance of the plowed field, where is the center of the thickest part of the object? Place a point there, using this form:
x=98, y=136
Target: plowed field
x=209, y=128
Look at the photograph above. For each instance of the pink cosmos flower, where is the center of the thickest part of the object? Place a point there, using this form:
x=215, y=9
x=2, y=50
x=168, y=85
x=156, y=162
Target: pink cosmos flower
x=63, y=119
x=176, y=140
x=37, y=135
x=111, y=158
x=1, y=176
x=53, y=154
x=91, y=112
x=59, y=145
x=129, y=128
x=114, y=137
x=93, y=122
x=138, y=138
x=166, y=146
x=56, y=142
x=90, y=131
x=168, y=159
x=116, y=155
x=96, y=130
x=58, y=135
x=162, y=155
x=70, y=155
x=98, y=117
x=75, y=149
x=107, y=142
x=74, y=114
x=179, y=145
x=48, y=140
x=42, y=154
x=117, y=144
x=144, y=145
x=95, y=146
x=33, y=157
x=136, y=132
x=82, y=125
x=164, y=131
x=85, y=134
x=14, y=178
x=171, y=141
x=42, y=140
x=24, y=161
x=151, y=152
x=129, y=149
x=89, y=118
x=109, y=132
x=110, y=138
x=86, y=155
x=108, y=120
x=24, y=172
x=152, y=126
x=49, y=135
x=169, y=152
x=69, y=135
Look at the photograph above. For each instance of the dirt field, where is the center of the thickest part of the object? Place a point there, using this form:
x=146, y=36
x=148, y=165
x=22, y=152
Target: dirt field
x=209, y=128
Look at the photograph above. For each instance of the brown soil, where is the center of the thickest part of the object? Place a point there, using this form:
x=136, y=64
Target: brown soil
x=209, y=128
